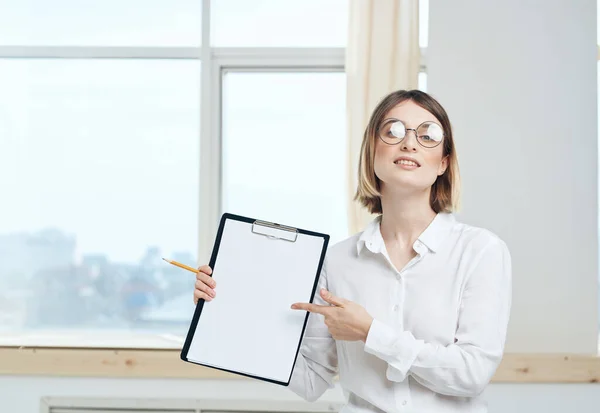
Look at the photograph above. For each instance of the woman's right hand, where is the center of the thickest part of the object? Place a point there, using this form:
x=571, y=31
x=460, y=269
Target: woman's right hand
x=205, y=285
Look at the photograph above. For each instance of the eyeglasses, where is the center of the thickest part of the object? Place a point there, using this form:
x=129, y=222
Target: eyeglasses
x=429, y=134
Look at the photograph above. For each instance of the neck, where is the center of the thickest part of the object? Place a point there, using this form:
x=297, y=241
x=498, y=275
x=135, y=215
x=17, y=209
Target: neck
x=405, y=216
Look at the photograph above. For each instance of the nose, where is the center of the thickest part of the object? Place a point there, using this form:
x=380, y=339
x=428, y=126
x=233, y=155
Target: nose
x=409, y=143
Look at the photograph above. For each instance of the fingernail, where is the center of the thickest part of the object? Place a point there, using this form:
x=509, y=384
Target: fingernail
x=213, y=293
x=294, y=306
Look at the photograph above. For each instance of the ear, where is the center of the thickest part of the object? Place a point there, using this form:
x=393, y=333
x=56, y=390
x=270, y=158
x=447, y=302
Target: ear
x=443, y=166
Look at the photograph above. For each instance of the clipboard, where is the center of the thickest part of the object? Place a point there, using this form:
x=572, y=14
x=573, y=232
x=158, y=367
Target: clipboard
x=261, y=269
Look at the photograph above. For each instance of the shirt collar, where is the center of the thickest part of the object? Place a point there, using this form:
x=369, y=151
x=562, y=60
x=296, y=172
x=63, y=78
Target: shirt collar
x=432, y=237
x=437, y=231
x=371, y=238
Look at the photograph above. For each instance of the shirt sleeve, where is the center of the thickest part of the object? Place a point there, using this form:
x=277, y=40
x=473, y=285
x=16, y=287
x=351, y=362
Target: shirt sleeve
x=465, y=367
x=317, y=362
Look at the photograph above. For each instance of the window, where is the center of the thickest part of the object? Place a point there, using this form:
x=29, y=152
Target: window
x=100, y=170
x=100, y=23
x=422, y=82
x=598, y=123
x=127, y=130
x=423, y=40
x=296, y=148
x=423, y=23
x=275, y=23
x=125, y=134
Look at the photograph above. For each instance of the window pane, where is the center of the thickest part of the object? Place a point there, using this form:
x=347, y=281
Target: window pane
x=99, y=180
x=276, y=23
x=423, y=23
x=100, y=22
x=284, y=149
x=422, y=81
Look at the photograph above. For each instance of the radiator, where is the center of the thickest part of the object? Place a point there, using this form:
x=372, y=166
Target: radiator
x=139, y=405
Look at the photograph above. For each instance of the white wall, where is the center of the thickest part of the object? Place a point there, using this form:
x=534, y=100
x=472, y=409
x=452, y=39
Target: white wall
x=22, y=394
x=518, y=79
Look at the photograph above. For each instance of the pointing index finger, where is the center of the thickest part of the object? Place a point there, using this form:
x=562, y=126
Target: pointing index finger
x=313, y=308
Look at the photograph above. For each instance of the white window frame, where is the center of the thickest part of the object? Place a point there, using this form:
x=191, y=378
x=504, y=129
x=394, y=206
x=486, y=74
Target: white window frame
x=226, y=60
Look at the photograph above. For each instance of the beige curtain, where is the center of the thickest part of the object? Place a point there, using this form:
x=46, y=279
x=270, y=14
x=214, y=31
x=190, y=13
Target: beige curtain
x=382, y=55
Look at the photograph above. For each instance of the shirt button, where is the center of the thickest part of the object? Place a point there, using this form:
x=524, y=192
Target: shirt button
x=404, y=402
x=396, y=307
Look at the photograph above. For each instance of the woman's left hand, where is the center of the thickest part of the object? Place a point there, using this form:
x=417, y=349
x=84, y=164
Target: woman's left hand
x=345, y=319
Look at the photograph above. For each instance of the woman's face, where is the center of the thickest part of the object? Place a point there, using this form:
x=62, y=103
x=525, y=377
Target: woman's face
x=408, y=165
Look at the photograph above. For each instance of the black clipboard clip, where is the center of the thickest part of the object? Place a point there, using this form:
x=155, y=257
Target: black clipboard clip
x=272, y=230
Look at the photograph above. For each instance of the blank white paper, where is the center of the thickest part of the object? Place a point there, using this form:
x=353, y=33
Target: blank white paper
x=249, y=327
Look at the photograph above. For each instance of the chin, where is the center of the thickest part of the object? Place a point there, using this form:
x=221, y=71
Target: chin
x=408, y=184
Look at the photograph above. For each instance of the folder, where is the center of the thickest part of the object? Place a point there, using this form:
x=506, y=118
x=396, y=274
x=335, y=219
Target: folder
x=261, y=268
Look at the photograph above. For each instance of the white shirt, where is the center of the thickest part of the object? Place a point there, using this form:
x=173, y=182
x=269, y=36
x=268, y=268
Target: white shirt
x=439, y=323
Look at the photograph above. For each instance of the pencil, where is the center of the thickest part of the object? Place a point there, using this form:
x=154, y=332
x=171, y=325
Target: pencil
x=180, y=265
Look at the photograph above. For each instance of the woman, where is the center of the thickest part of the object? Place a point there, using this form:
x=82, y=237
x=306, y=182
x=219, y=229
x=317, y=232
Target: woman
x=413, y=311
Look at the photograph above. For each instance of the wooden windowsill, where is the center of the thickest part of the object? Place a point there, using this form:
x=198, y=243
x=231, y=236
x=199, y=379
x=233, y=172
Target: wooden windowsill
x=145, y=363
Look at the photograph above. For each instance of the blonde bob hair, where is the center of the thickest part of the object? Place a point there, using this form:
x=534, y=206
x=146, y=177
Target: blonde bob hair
x=444, y=196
